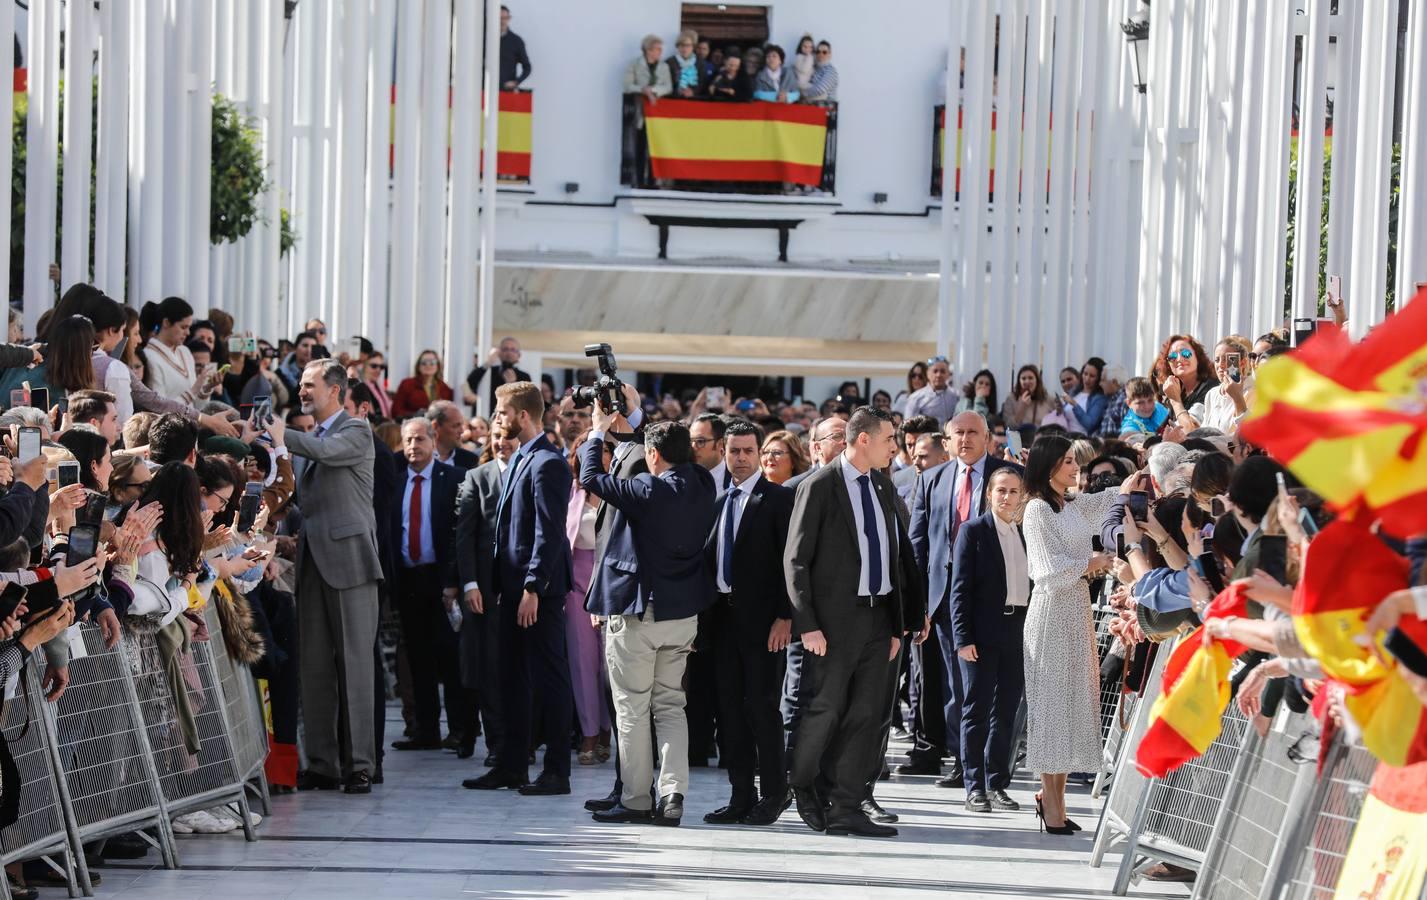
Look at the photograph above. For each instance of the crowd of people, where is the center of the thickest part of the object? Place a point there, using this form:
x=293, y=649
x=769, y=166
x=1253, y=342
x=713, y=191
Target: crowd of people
x=920, y=565
x=700, y=70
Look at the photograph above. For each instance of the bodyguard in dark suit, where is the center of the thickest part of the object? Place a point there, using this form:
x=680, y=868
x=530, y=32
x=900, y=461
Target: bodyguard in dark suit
x=449, y=425
x=841, y=565
x=990, y=592
x=947, y=497
x=426, y=585
x=533, y=573
x=750, y=624
x=651, y=586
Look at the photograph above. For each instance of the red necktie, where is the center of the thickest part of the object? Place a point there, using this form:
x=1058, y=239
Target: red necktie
x=963, y=503
x=413, y=527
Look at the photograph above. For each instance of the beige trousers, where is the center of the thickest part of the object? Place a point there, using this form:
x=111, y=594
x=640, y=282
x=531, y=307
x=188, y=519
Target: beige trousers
x=646, y=674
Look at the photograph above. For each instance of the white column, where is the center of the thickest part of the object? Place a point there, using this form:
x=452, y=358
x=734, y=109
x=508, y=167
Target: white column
x=1412, y=220
x=351, y=153
x=1345, y=147
x=177, y=143
x=1035, y=143
x=78, y=140
x=1083, y=237
x=485, y=322
x=946, y=294
x=1272, y=243
x=975, y=171
x=7, y=152
x=1313, y=104
x=1001, y=309
x=400, y=350
x=376, y=292
x=111, y=154
x=1062, y=185
x=463, y=243
x=1249, y=126
x=199, y=103
x=435, y=128
x=41, y=161
x=1224, y=126
x=146, y=172
x=1366, y=286
x=277, y=147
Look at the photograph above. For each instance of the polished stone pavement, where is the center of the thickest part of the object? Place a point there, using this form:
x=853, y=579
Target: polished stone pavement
x=422, y=836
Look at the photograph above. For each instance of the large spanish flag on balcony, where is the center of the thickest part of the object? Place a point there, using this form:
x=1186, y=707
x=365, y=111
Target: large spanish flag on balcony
x=1350, y=419
x=701, y=141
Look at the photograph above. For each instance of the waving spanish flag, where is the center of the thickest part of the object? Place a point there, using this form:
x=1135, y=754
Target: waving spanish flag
x=1346, y=572
x=1350, y=419
x=1185, y=719
x=1387, y=859
x=701, y=141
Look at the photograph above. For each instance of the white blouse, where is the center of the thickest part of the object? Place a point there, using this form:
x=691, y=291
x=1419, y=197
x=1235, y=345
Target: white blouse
x=170, y=372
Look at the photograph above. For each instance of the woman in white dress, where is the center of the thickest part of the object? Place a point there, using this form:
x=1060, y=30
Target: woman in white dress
x=169, y=369
x=1061, y=663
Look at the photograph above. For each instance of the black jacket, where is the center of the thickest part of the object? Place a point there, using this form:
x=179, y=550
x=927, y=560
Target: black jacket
x=760, y=593
x=445, y=480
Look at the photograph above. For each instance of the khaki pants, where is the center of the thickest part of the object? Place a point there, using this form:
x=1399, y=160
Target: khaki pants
x=646, y=672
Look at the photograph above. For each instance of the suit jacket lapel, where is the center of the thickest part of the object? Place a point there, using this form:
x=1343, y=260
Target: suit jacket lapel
x=845, y=502
x=889, y=515
x=750, y=507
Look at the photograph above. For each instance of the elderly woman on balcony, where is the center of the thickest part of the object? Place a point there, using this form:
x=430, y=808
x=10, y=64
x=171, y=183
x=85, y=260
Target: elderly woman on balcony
x=730, y=83
x=777, y=83
x=647, y=75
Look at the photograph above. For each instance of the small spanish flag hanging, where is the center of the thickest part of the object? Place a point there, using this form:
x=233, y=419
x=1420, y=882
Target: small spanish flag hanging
x=1387, y=858
x=1186, y=718
x=691, y=140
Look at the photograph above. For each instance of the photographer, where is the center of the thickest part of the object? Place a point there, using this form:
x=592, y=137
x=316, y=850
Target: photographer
x=659, y=522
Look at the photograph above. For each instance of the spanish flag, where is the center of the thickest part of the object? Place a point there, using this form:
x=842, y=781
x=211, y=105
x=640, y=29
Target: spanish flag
x=1387, y=858
x=513, y=134
x=1346, y=572
x=700, y=141
x=1350, y=419
x=1185, y=719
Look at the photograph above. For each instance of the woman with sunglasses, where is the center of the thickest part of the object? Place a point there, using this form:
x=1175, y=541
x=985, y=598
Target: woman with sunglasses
x=423, y=388
x=1187, y=375
x=374, y=377
x=916, y=380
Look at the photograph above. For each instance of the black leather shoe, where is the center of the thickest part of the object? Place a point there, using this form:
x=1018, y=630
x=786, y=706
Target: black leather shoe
x=1001, y=800
x=494, y=780
x=358, y=783
x=452, y=742
x=415, y=745
x=978, y=803
x=953, y=779
x=769, y=809
x=126, y=846
x=603, y=804
x=919, y=767
x=874, y=811
x=308, y=780
x=467, y=749
x=732, y=814
x=618, y=815
x=377, y=776
x=547, y=785
x=860, y=826
x=810, y=808
x=670, y=811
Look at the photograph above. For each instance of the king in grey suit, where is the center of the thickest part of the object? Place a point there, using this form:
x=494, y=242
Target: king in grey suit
x=476, y=506
x=338, y=570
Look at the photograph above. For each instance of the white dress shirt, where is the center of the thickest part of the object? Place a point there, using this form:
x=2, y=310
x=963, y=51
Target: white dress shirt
x=734, y=506
x=428, y=546
x=978, y=478
x=854, y=492
x=721, y=478
x=1013, y=557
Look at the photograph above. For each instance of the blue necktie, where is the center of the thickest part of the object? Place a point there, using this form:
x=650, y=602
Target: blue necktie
x=874, y=540
x=730, y=510
x=505, y=494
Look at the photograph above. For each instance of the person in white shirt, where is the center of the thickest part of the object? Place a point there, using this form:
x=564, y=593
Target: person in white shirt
x=168, y=365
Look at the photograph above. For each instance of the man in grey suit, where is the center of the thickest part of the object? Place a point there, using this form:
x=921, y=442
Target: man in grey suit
x=844, y=574
x=338, y=568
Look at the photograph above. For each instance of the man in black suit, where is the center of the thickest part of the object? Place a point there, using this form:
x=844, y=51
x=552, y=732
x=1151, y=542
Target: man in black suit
x=533, y=573
x=842, y=568
x=477, y=505
x=449, y=426
x=658, y=526
x=426, y=588
x=751, y=621
x=947, y=497
x=990, y=592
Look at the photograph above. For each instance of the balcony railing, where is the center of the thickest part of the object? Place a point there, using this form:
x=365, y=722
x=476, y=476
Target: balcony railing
x=782, y=148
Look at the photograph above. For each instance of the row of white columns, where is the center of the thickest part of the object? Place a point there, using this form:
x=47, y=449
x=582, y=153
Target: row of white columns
x=1038, y=275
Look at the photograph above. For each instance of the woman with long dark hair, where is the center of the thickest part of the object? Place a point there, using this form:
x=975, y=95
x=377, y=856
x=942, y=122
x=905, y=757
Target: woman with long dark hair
x=170, y=561
x=1061, y=663
x=916, y=380
x=1028, y=401
x=1088, y=403
x=66, y=366
x=424, y=387
x=979, y=395
x=92, y=451
x=168, y=364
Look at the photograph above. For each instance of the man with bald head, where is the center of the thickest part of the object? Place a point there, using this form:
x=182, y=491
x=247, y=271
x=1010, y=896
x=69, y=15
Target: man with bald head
x=945, y=498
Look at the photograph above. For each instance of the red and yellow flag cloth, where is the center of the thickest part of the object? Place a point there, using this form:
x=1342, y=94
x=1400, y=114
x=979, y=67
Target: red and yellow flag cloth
x=699, y=141
x=1350, y=420
x=1346, y=571
x=1387, y=858
x=513, y=134
x=1185, y=718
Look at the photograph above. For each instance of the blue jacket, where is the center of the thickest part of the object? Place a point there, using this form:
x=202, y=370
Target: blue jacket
x=978, y=588
x=532, y=551
x=933, y=506
x=655, y=551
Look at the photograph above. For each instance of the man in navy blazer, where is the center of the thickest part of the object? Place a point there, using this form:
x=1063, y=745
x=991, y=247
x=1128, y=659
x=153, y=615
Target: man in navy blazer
x=946, y=497
x=651, y=586
x=425, y=586
x=990, y=592
x=533, y=573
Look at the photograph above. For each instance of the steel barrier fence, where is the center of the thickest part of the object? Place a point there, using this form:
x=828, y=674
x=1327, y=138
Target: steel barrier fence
x=109, y=756
x=1116, y=706
x=1320, y=838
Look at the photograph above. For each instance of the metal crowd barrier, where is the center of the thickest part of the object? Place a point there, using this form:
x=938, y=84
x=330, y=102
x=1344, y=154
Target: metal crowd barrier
x=1116, y=706
x=1320, y=837
x=109, y=757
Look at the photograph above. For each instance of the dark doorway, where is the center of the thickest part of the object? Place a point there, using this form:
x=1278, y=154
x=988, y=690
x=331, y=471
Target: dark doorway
x=726, y=25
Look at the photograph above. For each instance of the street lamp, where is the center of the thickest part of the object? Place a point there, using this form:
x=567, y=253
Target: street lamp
x=1137, y=35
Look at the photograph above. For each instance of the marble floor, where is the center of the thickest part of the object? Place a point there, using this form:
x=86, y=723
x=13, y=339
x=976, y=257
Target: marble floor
x=422, y=836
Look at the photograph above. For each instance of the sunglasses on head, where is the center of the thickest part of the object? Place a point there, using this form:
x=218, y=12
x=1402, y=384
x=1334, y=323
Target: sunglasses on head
x=937, y=359
x=1186, y=353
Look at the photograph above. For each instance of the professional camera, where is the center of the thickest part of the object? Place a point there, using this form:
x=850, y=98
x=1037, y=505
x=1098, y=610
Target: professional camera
x=608, y=390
